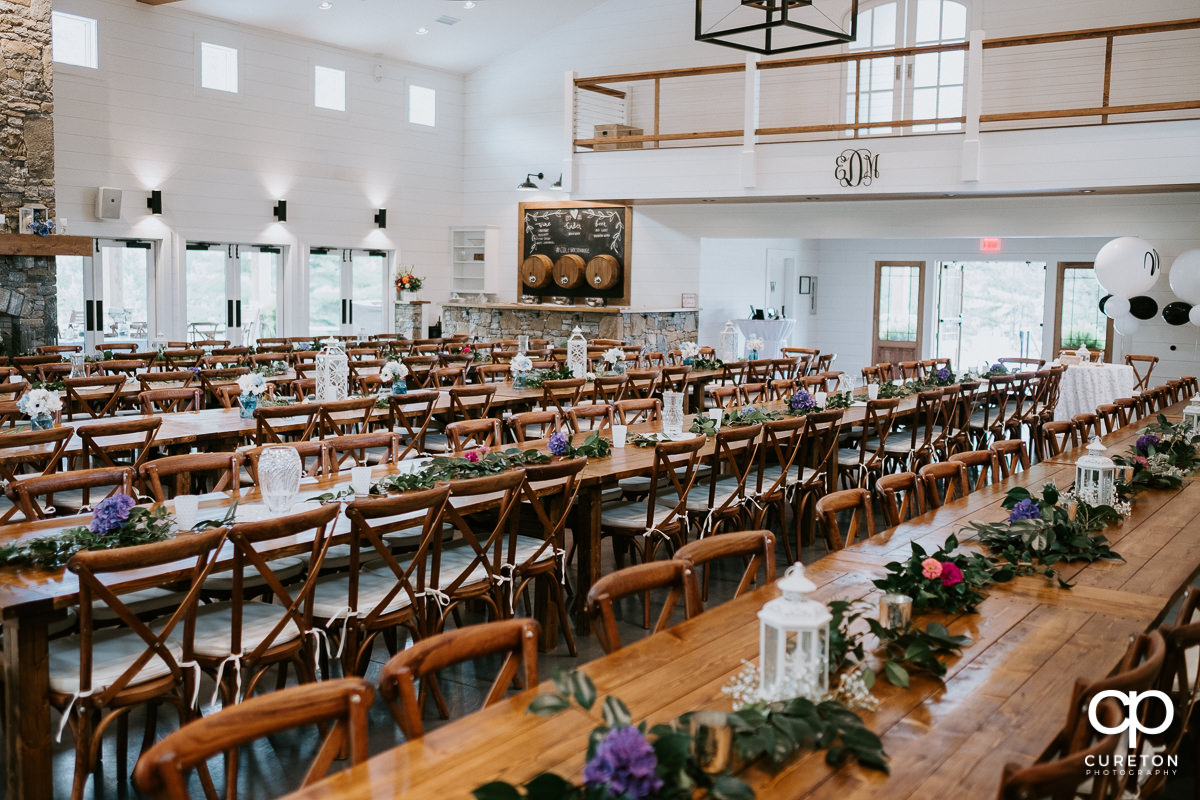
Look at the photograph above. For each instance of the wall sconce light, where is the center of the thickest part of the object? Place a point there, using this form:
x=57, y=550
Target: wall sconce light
x=381, y=218
x=557, y=185
x=280, y=211
x=528, y=185
x=154, y=202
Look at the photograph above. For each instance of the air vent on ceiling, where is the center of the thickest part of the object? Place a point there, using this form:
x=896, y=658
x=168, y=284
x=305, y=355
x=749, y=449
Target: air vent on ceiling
x=447, y=20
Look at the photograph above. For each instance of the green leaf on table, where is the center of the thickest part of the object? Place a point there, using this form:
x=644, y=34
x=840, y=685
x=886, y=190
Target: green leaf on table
x=549, y=786
x=548, y=704
x=896, y=674
x=616, y=715
x=727, y=787
x=497, y=790
x=583, y=690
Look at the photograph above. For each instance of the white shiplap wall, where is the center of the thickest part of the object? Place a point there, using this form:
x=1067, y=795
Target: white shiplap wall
x=142, y=122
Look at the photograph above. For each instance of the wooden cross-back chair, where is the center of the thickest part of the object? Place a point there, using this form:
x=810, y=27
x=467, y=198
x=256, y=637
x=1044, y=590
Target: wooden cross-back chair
x=1058, y=437
x=471, y=402
x=755, y=549
x=515, y=639
x=223, y=471
x=1011, y=454
x=985, y=462
x=724, y=397
x=338, y=708
x=1059, y=773
x=355, y=449
x=492, y=373
x=57, y=349
x=720, y=495
x=1012, y=362
x=779, y=474
x=410, y=415
x=25, y=493
x=675, y=379
x=635, y=411
x=526, y=425
x=292, y=423
x=28, y=365
x=169, y=401
x=560, y=395
x=182, y=359
x=342, y=417
x=543, y=558
x=96, y=396
x=987, y=424
x=608, y=389
x=380, y=593
x=862, y=517
x=134, y=437
x=901, y=497
x=469, y=433
x=588, y=419
x=53, y=373
x=867, y=459
x=99, y=676
x=166, y=379
x=419, y=369
x=1143, y=366
x=124, y=366
x=678, y=577
x=210, y=379
x=943, y=482
x=639, y=383
x=40, y=453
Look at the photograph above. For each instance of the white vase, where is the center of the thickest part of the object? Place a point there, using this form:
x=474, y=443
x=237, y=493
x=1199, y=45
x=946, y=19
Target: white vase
x=406, y=296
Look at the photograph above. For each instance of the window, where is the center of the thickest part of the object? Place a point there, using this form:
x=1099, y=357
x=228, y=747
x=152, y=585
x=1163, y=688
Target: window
x=925, y=86
x=1080, y=320
x=422, y=106
x=329, y=88
x=218, y=67
x=75, y=39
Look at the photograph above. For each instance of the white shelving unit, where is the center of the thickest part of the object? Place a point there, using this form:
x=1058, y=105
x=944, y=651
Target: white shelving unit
x=474, y=259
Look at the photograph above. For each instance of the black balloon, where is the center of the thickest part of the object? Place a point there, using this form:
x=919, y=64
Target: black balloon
x=1177, y=313
x=1143, y=307
x=1104, y=300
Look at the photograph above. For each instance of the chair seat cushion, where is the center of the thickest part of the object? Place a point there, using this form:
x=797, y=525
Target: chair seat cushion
x=214, y=622
x=641, y=483
x=697, y=499
x=455, y=561
x=284, y=568
x=630, y=516
x=113, y=651
x=527, y=547
x=331, y=597
x=142, y=602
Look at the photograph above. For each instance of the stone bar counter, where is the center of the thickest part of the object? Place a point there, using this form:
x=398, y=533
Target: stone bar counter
x=658, y=329
x=410, y=322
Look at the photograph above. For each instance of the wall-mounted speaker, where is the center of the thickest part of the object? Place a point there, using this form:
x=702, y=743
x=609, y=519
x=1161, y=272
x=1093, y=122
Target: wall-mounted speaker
x=108, y=203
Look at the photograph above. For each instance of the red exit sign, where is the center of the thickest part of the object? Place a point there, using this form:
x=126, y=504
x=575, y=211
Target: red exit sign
x=990, y=245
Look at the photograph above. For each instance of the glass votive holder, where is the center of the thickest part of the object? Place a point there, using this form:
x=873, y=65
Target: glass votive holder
x=872, y=391
x=895, y=611
x=360, y=480
x=712, y=741
x=187, y=508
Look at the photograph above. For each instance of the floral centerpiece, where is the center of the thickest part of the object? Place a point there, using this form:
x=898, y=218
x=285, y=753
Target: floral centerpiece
x=839, y=400
x=942, y=579
x=594, y=446
x=252, y=387
x=802, y=403
x=688, y=352
x=394, y=372
x=754, y=344
x=942, y=376
x=1041, y=532
x=117, y=521
x=534, y=380
x=614, y=360
x=40, y=405
x=992, y=370
x=521, y=365
x=1162, y=455
x=406, y=281
x=42, y=227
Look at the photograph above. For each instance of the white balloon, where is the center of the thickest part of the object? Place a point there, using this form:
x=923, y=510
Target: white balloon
x=1194, y=315
x=1116, y=307
x=1127, y=267
x=1185, y=276
x=1127, y=326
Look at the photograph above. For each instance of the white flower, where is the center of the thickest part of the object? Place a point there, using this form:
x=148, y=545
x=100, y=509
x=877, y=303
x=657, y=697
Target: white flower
x=754, y=343
x=39, y=401
x=613, y=355
x=252, y=384
x=522, y=363
x=689, y=349
x=591, y=376
x=393, y=371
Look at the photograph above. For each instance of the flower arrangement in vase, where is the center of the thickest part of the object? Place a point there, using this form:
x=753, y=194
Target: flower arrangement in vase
x=395, y=372
x=688, y=352
x=252, y=388
x=614, y=360
x=754, y=344
x=40, y=405
x=521, y=365
x=407, y=283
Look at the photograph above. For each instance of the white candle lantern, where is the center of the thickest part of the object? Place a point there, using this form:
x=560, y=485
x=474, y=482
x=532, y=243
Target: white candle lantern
x=729, y=343
x=577, y=354
x=1096, y=476
x=794, y=641
x=333, y=371
x=1191, y=415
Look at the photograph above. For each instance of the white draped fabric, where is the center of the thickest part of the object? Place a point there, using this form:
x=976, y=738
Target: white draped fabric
x=773, y=332
x=1086, y=386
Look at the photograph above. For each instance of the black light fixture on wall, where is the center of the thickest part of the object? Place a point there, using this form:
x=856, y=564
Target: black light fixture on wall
x=280, y=211
x=154, y=202
x=381, y=218
x=776, y=26
x=528, y=185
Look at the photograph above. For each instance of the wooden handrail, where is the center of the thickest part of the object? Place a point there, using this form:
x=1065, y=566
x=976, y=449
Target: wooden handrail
x=862, y=55
x=1094, y=111
x=1092, y=33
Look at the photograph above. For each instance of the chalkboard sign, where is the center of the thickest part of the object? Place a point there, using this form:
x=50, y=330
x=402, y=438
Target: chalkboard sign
x=585, y=230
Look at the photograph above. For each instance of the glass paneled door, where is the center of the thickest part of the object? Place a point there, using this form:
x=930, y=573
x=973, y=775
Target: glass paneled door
x=108, y=297
x=233, y=292
x=349, y=292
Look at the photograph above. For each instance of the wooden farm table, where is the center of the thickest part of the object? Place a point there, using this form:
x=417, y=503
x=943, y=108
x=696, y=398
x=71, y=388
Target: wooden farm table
x=1002, y=700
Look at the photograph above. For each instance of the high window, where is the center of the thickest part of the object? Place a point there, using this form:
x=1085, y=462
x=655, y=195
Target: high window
x=218, y=67
x=924, y=86
x=329, y=88
x=422, y=106
x=75, y=39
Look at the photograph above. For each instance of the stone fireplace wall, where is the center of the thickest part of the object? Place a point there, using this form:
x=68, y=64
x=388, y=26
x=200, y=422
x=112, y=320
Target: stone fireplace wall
x=27, y=161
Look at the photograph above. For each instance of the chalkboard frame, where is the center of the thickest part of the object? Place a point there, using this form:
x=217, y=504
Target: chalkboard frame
x=619, y=295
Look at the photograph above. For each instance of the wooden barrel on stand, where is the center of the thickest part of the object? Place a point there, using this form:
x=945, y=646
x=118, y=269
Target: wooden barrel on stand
x=535, y=271
x=568, y=271
x=603, y=272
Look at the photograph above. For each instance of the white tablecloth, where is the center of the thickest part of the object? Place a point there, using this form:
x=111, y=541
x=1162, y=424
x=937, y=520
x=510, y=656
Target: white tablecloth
x=773, y=332
x=1085, y=387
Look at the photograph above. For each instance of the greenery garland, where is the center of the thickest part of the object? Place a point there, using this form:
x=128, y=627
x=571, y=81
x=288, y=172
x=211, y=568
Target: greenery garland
x=1160, y=457
x=939, y=580
x=536, y=378
x=473, y=464
x=900, y=651
x=142, y=526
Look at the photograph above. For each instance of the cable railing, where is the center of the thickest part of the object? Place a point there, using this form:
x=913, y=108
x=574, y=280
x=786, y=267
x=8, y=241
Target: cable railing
x=1136, y=73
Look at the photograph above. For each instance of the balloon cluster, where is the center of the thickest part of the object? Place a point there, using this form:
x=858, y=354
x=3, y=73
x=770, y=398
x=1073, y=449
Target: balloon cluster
x=1127, y=267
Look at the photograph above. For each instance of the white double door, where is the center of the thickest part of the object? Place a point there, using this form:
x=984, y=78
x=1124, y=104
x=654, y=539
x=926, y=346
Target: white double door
x=233, y=292
x=109, y=296
x=349, y=292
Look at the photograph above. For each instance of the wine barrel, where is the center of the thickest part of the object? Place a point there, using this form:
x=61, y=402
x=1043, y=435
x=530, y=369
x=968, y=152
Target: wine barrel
x=568, y=271
x=535, y=271
x=603, y=272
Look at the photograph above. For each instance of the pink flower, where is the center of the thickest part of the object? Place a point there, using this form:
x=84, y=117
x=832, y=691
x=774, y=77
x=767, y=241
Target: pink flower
x=1141, y=462
x=471, y=456
x=951, y=574
x=485, y=450
x=932, y=568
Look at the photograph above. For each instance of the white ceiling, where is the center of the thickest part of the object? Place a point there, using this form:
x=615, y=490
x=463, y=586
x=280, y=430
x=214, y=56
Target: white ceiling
x=389, y=27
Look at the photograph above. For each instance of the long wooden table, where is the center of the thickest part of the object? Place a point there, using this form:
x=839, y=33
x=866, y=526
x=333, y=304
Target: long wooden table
x=1002, y=699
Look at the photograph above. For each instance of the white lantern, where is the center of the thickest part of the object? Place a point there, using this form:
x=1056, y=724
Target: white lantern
x=793, y=642
x=577, y=354
x=1191, y=415
x=729, y=343
x=1096, y=476
x=333, y=372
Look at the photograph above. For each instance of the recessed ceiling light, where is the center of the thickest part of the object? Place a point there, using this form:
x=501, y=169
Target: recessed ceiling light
x=422, y=31
x=469, y=4
x=812, y=198
x=1087, y=191
x=325, y=6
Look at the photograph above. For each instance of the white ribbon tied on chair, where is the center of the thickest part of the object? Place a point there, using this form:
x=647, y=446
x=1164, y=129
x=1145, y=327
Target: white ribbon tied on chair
x=560, y=555
x=236, y=658
x=193, y=665
x=506, y=576
x=66, y=714
x=345, y=616
x=440, y=597
x=322, y=638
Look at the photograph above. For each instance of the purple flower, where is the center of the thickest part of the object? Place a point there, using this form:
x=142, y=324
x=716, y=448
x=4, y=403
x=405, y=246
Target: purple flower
x=195, y=370
x=559, y=444
x=111, y=513
x=803, y=401
x=1145, y=442
x=1025, y=509
x=625, y=763
x=942, y=374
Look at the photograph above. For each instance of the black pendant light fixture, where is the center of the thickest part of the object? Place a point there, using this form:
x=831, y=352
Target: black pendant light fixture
x=776, y=26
